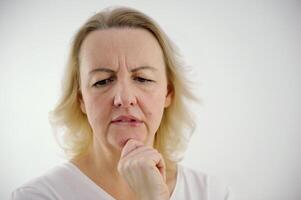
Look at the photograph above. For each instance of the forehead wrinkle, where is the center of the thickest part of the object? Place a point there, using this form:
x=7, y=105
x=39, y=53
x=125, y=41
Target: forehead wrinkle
x=117, y=51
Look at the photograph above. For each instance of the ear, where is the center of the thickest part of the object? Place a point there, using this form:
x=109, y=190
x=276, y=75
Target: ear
x=169, y=95
x=81, y=102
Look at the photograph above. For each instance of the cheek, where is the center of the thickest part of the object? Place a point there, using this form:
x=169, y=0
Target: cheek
x=97, y=112
x=153, y=109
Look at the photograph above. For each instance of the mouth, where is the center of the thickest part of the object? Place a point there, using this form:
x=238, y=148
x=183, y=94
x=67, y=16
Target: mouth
x=127, y=120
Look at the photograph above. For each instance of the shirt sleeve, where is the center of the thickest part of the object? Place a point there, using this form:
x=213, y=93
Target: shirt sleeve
x=28, y=193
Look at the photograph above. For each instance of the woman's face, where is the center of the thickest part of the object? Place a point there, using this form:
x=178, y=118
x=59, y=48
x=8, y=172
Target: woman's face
x=123, y=84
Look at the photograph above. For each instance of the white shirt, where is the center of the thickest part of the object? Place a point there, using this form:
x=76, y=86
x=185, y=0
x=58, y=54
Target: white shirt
x=67, y=182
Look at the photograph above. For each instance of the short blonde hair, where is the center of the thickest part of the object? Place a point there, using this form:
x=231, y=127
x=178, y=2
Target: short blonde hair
x=173, y=133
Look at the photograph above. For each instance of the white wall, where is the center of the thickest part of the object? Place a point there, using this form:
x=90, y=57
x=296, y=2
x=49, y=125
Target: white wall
x=245, y=55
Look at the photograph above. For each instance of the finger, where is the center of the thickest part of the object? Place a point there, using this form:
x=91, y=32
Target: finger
x=139, y=152
x=162, y=167
x=155, y=160
x=146, y=156
x=130, y=146
x=145, y=153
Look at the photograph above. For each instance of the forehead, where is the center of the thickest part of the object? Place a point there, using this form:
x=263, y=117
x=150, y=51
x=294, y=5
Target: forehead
x=130, y=46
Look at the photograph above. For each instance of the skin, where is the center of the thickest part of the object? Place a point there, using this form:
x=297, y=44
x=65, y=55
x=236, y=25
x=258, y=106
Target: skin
x=122, y=73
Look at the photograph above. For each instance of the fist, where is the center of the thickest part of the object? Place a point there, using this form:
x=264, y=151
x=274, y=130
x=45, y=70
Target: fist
x=143, y=168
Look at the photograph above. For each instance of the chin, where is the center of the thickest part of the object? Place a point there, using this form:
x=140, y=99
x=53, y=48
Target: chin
x=120, y=142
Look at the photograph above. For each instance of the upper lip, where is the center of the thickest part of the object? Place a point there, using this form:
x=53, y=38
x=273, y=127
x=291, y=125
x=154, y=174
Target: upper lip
x=126, y=118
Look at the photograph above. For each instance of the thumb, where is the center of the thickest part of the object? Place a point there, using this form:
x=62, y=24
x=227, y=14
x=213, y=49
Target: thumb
x=130, y=146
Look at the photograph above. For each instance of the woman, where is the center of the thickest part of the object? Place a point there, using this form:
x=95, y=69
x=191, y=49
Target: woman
x=123, y=116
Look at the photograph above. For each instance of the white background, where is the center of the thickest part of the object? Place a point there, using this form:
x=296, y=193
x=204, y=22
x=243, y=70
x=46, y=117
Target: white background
x=245, y=55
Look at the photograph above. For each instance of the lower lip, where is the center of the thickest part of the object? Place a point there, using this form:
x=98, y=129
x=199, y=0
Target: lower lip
x=132, y=124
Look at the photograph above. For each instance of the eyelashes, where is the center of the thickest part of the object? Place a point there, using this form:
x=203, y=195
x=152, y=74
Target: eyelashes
x=142, y=80
x=103, y=82
x=108, y=81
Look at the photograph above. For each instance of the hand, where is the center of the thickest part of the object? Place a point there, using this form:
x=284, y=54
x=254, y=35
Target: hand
x=143, y=168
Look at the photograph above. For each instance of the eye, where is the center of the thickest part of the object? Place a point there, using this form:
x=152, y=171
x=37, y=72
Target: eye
x=142, y=80
x=103, y=82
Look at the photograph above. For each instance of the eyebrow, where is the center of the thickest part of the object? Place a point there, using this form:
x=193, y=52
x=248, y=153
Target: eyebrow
x=107, y=70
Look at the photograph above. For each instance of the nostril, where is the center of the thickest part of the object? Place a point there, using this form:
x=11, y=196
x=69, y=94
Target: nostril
x=124, y=102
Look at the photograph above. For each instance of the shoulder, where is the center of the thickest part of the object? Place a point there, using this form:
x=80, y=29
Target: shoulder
x=29, y=193
x=44, y=187
x=199, y=185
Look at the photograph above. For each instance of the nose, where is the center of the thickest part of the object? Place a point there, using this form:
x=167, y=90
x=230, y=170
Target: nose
x=124, y=96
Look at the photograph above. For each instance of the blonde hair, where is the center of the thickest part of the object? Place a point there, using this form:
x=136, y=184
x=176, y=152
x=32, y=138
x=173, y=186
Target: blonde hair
x=174, y=131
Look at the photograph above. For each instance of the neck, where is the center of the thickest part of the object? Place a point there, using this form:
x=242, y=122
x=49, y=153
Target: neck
x=99, y=163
